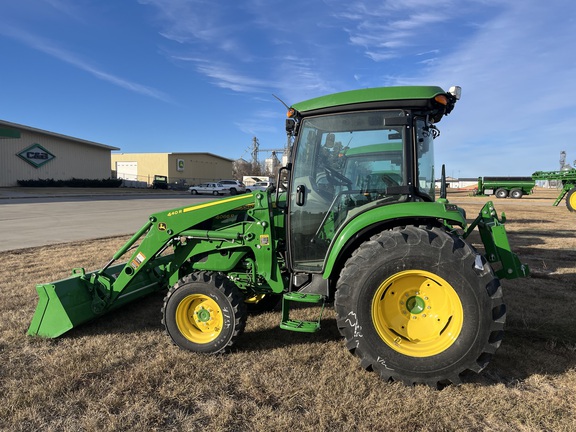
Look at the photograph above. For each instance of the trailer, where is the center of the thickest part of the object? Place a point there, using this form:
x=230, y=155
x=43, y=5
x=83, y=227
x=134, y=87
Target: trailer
x=567, y=179
x=503, y=187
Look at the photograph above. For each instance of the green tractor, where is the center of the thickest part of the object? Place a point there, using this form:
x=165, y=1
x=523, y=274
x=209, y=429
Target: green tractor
x=356, y=223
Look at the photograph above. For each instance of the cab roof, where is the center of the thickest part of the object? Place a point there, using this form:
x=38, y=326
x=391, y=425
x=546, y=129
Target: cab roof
x=378, y=97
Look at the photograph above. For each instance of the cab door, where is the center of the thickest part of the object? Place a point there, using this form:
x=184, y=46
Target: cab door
x=342, y=164
x=310, y=197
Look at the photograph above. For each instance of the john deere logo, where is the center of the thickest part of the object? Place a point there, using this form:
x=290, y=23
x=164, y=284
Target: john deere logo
x=36, y=155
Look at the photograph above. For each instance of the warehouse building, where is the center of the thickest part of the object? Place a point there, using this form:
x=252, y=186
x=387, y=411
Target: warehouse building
x=27, y=153
x=182, y=169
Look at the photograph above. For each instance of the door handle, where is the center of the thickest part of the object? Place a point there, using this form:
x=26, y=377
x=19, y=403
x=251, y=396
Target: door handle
x=300, y=195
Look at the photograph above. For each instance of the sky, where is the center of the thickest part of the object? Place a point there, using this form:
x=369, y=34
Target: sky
x=202, y=76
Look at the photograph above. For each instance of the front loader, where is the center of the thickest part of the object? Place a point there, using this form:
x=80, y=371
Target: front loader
x=356, y=223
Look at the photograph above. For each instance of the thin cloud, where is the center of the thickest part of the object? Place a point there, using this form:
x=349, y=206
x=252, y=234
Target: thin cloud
x=225, y=77
x=418, y=21
x=188, y=21
x=54, y=51
x=220, y=43
x=392, y=31
x=381, y=56
x=67, y=8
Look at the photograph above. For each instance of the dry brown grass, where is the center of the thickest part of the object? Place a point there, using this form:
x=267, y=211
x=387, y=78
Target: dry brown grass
x=122, y=373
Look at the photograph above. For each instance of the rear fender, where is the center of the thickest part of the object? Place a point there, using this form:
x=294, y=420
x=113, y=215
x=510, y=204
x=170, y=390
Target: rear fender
x=391, y=214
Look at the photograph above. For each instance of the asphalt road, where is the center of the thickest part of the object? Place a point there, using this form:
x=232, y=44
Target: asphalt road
x=34, y=222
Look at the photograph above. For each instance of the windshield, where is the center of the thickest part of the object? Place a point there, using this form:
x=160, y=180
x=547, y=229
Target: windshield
x=343, y=165
x=425, y=134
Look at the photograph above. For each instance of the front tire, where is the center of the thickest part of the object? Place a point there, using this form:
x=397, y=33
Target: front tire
x=204, y=312
x=419, y=305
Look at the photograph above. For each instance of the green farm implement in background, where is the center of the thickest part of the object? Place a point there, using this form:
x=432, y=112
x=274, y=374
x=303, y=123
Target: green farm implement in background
x=502, y=187
x=357, y=223
x=567, y=181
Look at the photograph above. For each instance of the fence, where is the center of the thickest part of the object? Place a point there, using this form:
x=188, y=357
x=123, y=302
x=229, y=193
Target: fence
x=143, y=181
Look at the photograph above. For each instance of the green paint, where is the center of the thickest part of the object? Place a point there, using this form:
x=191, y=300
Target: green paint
x=415, y=305
x=365, y=96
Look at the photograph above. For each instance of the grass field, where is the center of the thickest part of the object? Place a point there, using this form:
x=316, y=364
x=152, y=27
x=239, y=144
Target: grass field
x=122, y=373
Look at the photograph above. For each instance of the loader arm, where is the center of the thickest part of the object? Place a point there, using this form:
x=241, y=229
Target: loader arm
x=164, y=230
x=172, y=243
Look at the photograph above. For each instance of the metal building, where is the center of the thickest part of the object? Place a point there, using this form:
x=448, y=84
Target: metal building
x=27, y=153
x=180, y=168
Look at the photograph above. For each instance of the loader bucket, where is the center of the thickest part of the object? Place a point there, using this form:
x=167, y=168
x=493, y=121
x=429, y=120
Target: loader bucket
x=67, y=303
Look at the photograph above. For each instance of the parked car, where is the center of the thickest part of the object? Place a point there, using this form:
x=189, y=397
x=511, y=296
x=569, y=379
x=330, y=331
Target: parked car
x=259, y=186
x=210, y=188
x=235, y=186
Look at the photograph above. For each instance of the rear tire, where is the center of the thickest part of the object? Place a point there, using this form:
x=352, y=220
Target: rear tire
x=501, y=193
x=516, y=193
x=233, y=191
x=419, y=305
x=193, y=192
x=204, y=312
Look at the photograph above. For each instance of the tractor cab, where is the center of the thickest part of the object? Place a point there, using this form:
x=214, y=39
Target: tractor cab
x=347, y=160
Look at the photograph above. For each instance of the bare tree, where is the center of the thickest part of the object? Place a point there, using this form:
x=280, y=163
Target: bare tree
x=241, y=168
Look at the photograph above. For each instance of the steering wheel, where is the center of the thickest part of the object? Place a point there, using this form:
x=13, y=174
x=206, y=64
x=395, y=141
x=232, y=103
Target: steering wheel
x=389, y=180
x=337, y=179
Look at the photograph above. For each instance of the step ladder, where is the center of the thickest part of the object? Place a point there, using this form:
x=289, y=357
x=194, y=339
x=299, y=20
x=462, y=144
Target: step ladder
x=299, y=325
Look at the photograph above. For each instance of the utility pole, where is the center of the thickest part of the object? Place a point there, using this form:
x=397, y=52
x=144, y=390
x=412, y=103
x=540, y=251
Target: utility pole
x=255, y=150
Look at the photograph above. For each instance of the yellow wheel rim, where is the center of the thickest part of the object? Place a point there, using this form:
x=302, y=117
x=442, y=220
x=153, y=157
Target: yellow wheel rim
x=417, y=313
x=572, y=201
x=199, y=318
